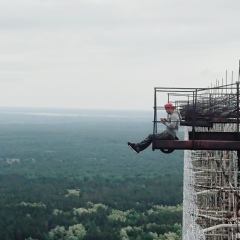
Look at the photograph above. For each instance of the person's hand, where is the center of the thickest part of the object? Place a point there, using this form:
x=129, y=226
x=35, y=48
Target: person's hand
x=163, y=120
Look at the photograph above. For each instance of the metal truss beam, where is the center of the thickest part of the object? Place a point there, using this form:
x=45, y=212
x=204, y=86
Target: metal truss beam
x=196, y=145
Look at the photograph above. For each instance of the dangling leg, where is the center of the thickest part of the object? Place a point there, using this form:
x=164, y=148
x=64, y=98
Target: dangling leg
x=138, y=147
x=142, y=145
x=145, y=143
x=164, y=136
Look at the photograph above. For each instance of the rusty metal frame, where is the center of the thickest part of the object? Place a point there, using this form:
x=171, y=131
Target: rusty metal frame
x=196, y=145
x=203, y=112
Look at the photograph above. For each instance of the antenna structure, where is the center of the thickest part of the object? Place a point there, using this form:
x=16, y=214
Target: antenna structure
x=211, y=197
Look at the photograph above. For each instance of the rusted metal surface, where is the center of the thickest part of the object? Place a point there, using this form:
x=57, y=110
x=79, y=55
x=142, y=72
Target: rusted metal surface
x=217, y=136
x=223, y=120
x=208, y=122
x=196, y=145
x=197, y=123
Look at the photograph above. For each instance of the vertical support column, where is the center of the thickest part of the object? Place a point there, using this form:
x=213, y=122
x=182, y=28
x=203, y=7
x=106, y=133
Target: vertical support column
x=237, y=85
x=194, y=115
x=155, y=112
x=238, y=160
x=238, y=152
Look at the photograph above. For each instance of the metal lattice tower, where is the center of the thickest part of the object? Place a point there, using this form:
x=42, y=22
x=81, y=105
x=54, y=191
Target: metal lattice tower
x=211, y=197
x=211, y=193
x=211, y=190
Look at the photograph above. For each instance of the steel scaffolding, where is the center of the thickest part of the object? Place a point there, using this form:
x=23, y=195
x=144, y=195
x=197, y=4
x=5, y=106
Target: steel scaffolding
x=211, y=197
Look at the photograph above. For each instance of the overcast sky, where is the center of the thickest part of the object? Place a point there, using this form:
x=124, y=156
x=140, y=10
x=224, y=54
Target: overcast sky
x=111, y=54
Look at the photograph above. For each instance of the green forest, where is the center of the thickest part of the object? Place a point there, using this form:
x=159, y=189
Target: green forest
x=75, y=178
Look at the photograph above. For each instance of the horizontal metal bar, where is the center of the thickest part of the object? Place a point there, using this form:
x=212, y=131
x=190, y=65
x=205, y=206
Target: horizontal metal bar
x=196, y=145
x=224, y=120
x=208, y=122
x=200, y=89
x=214, y=136
x=196, y=124
x=220, y=226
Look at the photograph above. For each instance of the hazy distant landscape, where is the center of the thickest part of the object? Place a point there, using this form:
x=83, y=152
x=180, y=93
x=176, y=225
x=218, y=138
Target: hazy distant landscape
x=68, y=174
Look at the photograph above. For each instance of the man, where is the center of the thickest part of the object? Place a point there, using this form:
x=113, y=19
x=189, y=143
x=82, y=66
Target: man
x=170, y=133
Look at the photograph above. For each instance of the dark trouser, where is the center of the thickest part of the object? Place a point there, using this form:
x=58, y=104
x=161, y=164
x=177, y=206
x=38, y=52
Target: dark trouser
x=147, y=141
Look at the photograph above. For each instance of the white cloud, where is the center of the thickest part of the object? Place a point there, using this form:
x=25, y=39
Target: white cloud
x=111, y=54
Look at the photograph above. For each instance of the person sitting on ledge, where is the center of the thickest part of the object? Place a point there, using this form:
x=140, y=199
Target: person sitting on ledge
x=172, y=124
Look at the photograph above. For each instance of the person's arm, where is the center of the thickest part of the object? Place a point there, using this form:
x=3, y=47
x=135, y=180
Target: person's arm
x=174, y=122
